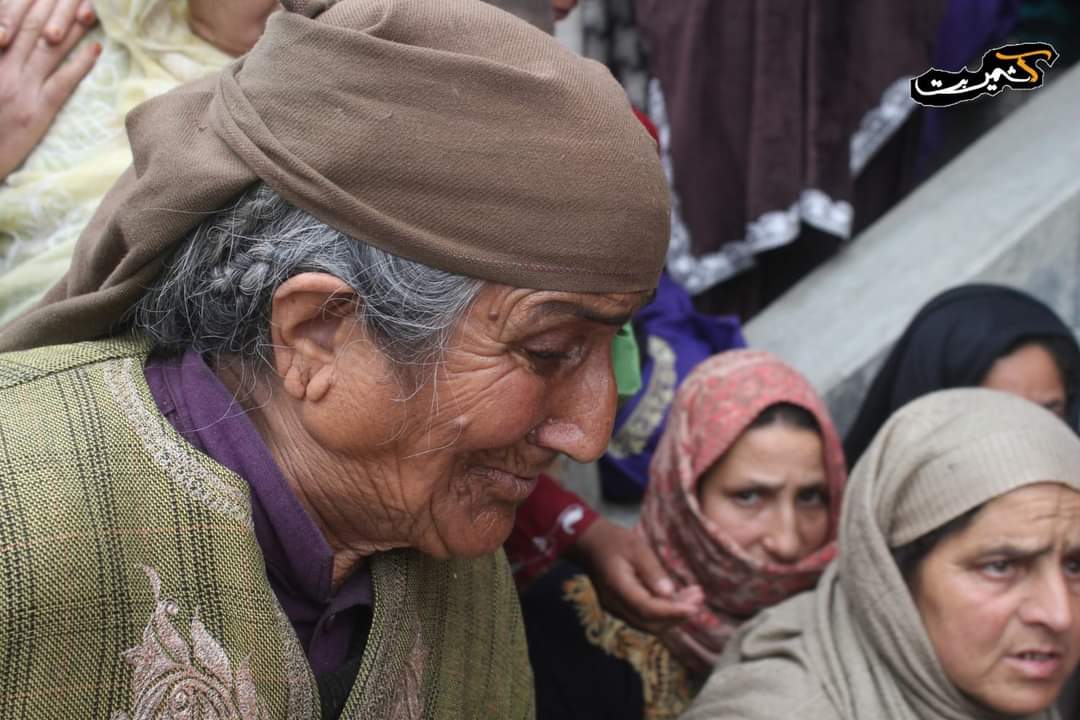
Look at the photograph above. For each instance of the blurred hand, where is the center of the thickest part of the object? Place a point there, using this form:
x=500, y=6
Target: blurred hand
x=35, y=82
x=53, y=25
x=562, y=8
x=630, y=581
x=232, y=26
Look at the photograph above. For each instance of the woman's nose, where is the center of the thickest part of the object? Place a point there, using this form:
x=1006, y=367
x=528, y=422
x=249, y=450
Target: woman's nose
x=582, y=411
x=782, y=541
x=1050, y=604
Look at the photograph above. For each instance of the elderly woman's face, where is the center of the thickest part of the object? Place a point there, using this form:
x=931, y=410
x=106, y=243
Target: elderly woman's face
x=1000, y=599
x=769, y=494
x=527, y=376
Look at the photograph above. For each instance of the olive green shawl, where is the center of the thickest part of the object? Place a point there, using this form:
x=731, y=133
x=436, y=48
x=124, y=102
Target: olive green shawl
x=132, y=585
x=855, y=648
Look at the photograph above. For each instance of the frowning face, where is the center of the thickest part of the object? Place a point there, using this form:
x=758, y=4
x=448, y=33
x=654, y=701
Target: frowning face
x=769, y=493
x=1000, y=599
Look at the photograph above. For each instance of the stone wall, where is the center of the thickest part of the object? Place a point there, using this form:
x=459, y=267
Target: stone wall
x=1006, y=210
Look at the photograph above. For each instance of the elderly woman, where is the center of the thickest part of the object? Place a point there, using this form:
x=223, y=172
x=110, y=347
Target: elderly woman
x=956, y=593
x=356, y=292
x=153, y=45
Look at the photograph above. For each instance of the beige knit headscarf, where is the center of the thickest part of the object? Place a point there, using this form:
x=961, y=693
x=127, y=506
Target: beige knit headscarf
x=448, y=132
x=856, y=647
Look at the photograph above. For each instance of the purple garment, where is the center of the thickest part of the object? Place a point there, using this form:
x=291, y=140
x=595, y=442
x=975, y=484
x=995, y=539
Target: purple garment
x=674, y=338
x=299, y=562
x=969, y=28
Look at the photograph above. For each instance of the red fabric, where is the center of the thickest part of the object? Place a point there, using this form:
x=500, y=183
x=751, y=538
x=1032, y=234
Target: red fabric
x=648, y=125
x=712, y=408
x=549, y=522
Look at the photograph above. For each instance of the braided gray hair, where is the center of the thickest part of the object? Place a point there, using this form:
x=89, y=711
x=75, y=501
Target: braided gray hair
x=214, y=295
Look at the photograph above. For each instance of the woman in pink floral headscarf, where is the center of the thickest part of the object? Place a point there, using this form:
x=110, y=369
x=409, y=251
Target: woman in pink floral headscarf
x=743, y=503
x=744, y=494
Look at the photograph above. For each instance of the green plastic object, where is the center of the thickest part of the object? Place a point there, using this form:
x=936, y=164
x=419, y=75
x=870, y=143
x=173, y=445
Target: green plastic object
x=627, y=363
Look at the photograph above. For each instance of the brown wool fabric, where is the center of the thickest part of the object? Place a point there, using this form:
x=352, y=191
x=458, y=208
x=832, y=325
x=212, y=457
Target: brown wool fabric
x=856, y=647
x=448, y=132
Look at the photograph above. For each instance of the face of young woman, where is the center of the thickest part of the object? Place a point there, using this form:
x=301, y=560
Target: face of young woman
x=1030, y=372
x=769, y=493
x=1000, y=599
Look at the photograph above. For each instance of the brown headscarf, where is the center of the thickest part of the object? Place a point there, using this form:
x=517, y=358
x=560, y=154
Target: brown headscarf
x=448, y=132
x=713, y=407
x=856, y=646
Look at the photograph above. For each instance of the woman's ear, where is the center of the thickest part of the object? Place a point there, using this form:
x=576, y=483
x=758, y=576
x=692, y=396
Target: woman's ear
x=312, y=317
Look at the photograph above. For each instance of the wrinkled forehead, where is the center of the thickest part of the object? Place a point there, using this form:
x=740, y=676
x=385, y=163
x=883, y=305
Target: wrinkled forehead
x=520, y=307
x=1032, y=517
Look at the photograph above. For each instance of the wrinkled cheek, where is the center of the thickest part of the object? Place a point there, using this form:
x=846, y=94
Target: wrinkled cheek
x=511, y=409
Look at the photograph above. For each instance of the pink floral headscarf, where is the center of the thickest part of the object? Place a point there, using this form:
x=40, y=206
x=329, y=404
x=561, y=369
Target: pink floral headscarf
x=712, y=408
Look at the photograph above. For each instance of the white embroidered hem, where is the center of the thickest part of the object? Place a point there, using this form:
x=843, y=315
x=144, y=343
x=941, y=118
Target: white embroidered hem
x=774, y=228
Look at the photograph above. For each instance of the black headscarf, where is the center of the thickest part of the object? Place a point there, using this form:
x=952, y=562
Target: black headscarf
x=952, y=342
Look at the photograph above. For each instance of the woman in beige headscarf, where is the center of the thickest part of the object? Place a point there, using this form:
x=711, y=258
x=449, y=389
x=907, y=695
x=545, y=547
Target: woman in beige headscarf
x=956, y=593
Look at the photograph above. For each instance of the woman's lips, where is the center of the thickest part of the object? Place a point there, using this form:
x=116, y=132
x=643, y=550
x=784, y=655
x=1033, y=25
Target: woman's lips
x=1037, y=664
x=513, y=488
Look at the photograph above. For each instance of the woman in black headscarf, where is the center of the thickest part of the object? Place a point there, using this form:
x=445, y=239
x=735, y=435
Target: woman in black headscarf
x=975, y=335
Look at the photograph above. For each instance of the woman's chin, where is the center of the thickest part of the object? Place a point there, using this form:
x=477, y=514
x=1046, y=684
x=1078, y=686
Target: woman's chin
x=474, y=536
x=1019, y=701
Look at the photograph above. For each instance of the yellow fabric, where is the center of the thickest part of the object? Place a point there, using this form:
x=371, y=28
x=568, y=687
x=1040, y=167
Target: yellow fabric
x=666, y=687
x=147, y=49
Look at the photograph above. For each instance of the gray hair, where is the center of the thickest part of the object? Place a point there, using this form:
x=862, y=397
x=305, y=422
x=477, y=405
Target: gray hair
x=214, y=295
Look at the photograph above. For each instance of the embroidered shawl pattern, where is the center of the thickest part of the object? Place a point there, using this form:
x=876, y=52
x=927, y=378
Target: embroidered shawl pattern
x=132, y=586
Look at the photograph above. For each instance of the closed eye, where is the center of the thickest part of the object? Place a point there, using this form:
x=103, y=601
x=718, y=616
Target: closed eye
x=547, y=355
x=546, y=362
